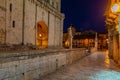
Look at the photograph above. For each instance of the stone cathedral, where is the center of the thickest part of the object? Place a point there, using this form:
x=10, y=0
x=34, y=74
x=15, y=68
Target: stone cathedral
x=36, y=22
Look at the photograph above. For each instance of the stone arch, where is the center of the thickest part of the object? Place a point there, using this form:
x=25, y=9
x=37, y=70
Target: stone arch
x=42, y=35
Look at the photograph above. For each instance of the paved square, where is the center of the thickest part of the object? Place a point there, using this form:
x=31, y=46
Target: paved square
x=96, y=66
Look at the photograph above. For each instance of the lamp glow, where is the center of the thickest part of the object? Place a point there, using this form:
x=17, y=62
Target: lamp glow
x=115, y=8
x=40, y=35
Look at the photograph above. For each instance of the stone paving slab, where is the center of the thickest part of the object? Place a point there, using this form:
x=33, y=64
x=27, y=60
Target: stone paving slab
x=96, y=66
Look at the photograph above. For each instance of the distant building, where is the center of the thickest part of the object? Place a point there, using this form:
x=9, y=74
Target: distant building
x=86, y=39
x=36, y=22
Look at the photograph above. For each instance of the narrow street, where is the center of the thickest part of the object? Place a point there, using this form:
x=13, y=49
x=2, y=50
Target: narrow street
x=96, y=66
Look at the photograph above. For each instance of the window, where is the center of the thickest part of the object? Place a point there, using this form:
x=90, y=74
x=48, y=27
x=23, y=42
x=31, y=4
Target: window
x=13, y=24
x=10, y=7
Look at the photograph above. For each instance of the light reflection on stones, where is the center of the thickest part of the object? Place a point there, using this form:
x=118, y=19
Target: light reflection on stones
x=107, y=60
x=96, y=66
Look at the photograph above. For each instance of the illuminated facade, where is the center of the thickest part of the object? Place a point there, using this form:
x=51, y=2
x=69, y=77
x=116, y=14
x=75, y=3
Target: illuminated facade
x=36, y=22
x=86, y=39
x=112, y=24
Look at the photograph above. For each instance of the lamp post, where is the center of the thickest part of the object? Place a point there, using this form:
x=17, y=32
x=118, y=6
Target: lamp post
x=116, y=10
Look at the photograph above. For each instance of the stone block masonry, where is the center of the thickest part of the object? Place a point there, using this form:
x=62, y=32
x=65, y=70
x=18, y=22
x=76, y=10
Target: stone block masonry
x=31, y=65
x=21, y=22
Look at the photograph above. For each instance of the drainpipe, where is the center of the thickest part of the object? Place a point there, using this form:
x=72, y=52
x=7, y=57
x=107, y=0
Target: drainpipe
x=48, y=27
x=23, y=22
x=5, y=21
x=35, y=22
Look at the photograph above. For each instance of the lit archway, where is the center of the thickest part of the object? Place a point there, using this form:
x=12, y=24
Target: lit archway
x=42, y=35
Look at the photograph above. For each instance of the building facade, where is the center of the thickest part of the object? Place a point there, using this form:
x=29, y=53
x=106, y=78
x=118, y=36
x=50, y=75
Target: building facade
x=112, y=25
x=86, y=39
x=36, y=22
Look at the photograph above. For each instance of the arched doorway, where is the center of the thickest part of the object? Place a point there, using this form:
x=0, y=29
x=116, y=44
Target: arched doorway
x=42, y=35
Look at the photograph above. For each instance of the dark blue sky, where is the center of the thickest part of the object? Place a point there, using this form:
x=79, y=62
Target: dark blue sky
x=84, y=14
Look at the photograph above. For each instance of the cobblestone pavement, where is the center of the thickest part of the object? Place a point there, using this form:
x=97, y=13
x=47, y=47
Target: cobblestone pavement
x=96, y=66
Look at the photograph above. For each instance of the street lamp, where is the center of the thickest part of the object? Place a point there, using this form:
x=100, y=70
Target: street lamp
x=116, y=9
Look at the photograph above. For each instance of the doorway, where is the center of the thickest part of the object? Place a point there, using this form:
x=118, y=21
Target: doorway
x=42, y=35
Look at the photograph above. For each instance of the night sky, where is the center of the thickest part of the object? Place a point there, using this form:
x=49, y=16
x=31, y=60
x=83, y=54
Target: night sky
x=84, y=14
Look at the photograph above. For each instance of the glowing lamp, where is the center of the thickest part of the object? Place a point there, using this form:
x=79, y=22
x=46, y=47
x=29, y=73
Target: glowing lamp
x=115, y=8
x=40, y=35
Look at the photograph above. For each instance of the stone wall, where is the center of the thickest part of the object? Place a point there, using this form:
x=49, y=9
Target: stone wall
x=14, y=21
x=31, y=65
x=2, y=22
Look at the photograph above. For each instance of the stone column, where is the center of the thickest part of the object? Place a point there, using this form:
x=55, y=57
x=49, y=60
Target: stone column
x=70, y=37
x=110, y=48
x=61, y=31
x=118, y=48
x=96, y=41
x=61, y=34
x=119, y=37
x=115, y=46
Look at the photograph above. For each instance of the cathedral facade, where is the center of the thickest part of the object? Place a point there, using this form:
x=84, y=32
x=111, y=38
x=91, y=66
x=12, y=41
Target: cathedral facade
x=36, y=22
